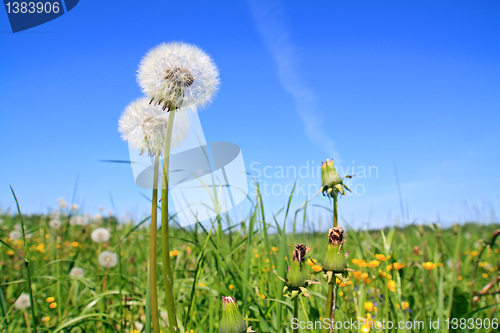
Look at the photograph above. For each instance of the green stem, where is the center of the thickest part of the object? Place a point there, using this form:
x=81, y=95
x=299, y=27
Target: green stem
x=329, y=299
x=335, y=215
x=152, y=250
x=165, y=251
x=296, y=312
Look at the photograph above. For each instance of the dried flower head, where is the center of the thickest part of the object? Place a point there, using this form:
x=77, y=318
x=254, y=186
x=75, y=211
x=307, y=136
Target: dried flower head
x=108, y=259
x=100, y=235
x=335, y=254
x=336, y=235
x=297, y=274
x=76, y=272
x=145, y=127
x=178, y=74
x=22, y=302
x=299, y=253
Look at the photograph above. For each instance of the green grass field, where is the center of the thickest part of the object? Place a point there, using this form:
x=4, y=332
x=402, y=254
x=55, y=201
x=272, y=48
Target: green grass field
x=411, y=274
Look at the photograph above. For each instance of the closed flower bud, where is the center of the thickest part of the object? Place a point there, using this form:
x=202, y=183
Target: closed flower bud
x=335, y=254
x=232, y=321
x=297, y=274
x=331, y=183
x=329, y=175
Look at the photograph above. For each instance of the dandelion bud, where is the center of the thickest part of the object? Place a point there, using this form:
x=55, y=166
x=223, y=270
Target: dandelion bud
x=297, y=275
x=331, y=183
x=329, y=175
x=232, y=321
x=335, y=254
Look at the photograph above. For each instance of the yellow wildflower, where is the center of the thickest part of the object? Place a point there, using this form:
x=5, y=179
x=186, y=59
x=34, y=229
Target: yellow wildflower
x=381, y=257
x=317, y=268
x=391, y=285
x=429, y=265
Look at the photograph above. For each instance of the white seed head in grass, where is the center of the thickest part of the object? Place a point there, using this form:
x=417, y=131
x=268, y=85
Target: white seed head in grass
x=77, y=220
x=108, y=259
x=14, y=235
x=178, y=74
x=76, y=272
x=100, y=235
x=55, y=223
x=144, y=126
x=22, y=302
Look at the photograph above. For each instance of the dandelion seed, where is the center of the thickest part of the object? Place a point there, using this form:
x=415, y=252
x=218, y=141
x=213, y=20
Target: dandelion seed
x=74, y=207
x=108, y=259
x=55, y=223
x=76, y=272
x=178, y=74
x=22, y=302
x=62, y=203
x=144, y=126
x=100, y=235
x=14, y=235
x=77, y=220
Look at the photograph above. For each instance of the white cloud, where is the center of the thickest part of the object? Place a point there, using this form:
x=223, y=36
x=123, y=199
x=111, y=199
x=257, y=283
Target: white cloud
x=268, y=16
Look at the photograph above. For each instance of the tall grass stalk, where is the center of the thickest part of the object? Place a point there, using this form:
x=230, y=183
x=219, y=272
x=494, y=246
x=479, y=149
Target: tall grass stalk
x=27, y=262
x=165, y=250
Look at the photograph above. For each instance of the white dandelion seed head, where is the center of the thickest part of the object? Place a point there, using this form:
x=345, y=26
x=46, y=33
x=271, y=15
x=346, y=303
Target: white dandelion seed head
x=178, y=74
x=77, y=271
x=14, y=235
x=144, y=126
x=100, y=235
x=98, y=218
x=108, y=259
x=1, y=221
x=18, y=227
x=22, y=302
x=74, y=207
x=77, y=220
x=55, y=223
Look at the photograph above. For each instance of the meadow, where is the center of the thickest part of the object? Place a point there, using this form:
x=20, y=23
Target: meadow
x=403, y=275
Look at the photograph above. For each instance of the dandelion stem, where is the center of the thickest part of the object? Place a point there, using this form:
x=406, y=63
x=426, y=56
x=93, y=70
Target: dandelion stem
x=296, y=312
x=152, y=250
x=165, y=253
x=335, y=215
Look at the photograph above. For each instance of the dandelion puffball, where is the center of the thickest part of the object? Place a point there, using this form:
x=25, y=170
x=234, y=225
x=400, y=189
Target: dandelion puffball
x=76, y=272
x=144, y=126
x=55, y=223
x=22, y=302
x=100, y=235
x=178, y=74
x=14, y=235
x=77, y=220
x=108, y=259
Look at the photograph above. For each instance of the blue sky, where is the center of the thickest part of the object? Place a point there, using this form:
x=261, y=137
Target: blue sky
x=410, y=86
